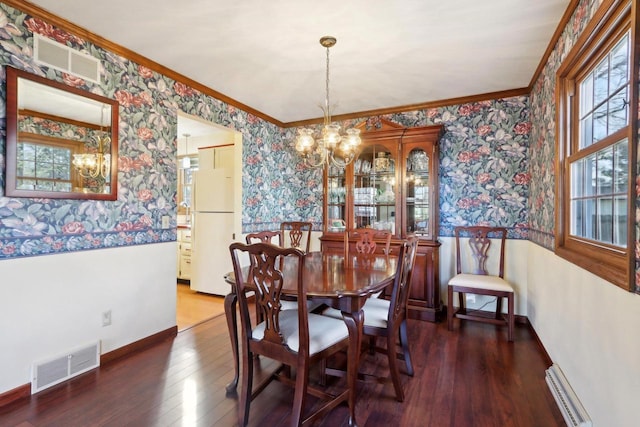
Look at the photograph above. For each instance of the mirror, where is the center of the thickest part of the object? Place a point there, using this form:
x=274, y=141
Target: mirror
x=62, y=142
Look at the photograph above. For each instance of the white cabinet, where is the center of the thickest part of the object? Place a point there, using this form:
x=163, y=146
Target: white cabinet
x=184, y=253
x=219, y=157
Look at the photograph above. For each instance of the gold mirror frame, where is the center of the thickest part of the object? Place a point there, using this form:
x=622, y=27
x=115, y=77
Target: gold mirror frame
x=76, y=101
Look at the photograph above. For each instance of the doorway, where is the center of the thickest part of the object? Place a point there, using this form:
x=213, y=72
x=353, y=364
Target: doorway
x=194, y=134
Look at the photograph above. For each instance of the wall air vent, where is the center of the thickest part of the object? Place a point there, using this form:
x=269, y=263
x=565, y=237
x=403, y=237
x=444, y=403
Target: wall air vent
x=63, y=58
x=54, y=371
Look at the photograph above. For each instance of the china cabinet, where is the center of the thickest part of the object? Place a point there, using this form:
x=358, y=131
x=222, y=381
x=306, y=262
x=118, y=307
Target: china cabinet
x=392, y=184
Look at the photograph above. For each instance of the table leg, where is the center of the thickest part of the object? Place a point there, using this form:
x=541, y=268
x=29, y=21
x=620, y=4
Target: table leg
x=354, y=323
x=230, y=302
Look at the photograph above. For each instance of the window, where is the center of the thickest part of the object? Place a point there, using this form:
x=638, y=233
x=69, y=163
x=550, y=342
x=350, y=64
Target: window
x=44, y=163
x=594, y=94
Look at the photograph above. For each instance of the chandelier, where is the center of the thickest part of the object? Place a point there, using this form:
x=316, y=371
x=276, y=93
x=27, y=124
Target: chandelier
x=98, y=164
x=330, y=147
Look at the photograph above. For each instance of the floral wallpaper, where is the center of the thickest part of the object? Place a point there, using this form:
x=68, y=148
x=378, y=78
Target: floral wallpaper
x=496, y=156
x=484, y=168
x=147, y=153
x=542, y=153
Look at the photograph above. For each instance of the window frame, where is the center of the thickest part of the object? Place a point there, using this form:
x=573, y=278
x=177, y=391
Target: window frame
x=610, y=23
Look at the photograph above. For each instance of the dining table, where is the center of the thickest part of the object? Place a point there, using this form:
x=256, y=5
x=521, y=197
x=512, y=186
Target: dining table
x=340, y=280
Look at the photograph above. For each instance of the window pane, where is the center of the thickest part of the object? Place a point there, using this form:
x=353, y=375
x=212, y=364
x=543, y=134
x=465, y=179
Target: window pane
x=618, y=108
x=61, y=156
x=25, y=184
x=44, y=154
x=599, y=123
x=586, y=131
x=619, y=73
x=605, y=213
x=44, y=171
x=601, y=82
x=26, y=151
x=590, y=219
x=577, y=218
x=605, y=171
x=586, y=96
x=621, y=168
x=620, y=222
x=62, y=172
x=577, y=183
x=44, y=185
x=590, y=175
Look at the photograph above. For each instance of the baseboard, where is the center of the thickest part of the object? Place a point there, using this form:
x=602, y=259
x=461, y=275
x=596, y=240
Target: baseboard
x=138, y=345
x=523, y=320
x=544, y=350
x=17, y=393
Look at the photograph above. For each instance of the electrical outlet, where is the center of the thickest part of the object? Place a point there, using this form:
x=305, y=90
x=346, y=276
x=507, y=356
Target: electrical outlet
x=106, y=318
x=165, y=221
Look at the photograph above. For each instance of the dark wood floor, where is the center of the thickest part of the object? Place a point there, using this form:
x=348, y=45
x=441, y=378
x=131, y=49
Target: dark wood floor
x=468, y=377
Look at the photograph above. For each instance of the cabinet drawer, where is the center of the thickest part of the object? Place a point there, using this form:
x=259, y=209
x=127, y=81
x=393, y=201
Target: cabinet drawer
x=184, y=235
x=185, y=249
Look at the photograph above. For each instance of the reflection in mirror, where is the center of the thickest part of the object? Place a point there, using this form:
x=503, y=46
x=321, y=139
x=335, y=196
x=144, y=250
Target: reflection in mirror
x=62, y=142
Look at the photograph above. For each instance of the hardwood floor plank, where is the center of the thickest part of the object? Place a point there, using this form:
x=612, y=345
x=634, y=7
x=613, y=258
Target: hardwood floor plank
x=467, y=377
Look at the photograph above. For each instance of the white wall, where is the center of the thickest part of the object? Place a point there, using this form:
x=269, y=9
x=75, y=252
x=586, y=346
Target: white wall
x=515, y=271
x=52, y=304
x=589, y=327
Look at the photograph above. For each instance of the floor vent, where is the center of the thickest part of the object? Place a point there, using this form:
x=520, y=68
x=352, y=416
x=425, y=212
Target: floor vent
x=63, y=58
x=572, y=410
x=54, y=371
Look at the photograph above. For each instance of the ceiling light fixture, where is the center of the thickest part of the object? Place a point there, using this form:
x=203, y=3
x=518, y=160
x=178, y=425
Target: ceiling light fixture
x=322, y=149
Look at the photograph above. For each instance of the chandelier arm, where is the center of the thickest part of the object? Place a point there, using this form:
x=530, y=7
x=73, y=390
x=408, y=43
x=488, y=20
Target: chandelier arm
x=323, y=159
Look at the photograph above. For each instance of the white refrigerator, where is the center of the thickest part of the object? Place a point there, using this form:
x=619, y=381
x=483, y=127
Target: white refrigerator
x=211, y=230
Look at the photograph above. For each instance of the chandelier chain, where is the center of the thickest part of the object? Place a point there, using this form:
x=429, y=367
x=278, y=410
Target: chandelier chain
x=327, y=113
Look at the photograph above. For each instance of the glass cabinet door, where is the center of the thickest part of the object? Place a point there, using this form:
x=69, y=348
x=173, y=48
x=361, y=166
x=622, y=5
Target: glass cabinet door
x=375, y=189
x=417, y=192
x=336, y=205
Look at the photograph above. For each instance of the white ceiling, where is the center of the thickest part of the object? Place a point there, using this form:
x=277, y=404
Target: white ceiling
x=266, y=54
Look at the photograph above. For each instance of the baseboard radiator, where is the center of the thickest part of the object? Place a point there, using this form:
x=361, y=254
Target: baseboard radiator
x=572, y=410
x=56, y=370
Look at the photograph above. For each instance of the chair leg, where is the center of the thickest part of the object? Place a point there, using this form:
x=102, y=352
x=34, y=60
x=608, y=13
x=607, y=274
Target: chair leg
x=449, y=307
x=323, y=372
x=499, y=308
x=393, y=366
x=245, y=389
x=302, y=380
x=510, y=316
x=404, y=343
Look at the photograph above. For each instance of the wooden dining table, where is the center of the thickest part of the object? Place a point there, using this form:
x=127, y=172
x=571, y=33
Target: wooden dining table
x=339, y=280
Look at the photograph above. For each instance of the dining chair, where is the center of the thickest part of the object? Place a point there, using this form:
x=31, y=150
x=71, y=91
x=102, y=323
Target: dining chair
x=367, y=240
x=294, y=338
x=476, y=279
x=388, y=318
x=296, y=234
x=273, y=237
x=266, y=236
